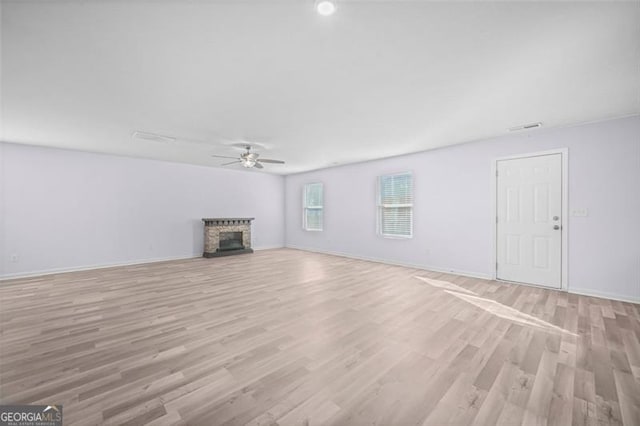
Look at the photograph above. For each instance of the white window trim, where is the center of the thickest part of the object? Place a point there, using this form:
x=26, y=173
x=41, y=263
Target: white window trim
x=305, y=207
x=380, y=206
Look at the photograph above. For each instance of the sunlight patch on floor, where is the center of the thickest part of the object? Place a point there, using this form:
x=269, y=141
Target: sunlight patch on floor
x=493, y=307
x=445, y=285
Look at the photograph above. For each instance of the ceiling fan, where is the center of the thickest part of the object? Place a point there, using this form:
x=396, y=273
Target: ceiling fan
x=249, y=159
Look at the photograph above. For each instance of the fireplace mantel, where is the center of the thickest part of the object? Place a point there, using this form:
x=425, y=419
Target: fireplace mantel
x=214, y=226
x=220, y=221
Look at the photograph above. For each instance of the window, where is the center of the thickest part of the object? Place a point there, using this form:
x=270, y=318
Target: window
x=395, y=205
x=312, y=207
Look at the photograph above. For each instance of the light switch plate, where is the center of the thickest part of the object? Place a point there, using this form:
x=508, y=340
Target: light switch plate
x=579, y=212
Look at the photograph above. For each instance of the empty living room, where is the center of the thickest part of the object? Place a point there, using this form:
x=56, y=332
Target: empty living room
x=319, y=212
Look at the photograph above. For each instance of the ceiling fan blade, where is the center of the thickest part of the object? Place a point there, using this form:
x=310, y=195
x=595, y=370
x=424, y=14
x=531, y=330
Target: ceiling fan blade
x=224, y=156
x=232, y=162
x=266, y=160
x=258, y=165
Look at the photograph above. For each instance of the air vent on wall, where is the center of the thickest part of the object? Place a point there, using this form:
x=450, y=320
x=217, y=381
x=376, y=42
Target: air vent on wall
x=152, y=137
x=525, y=127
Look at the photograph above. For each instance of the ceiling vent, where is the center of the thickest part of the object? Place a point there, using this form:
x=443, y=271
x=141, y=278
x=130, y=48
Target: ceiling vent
x=152, y=137
x=525, y=127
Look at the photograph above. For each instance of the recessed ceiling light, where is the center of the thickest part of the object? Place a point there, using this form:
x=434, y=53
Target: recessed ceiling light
x=325, y=7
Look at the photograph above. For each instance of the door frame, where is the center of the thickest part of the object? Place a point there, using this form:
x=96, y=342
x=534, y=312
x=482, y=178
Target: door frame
x=564, y=267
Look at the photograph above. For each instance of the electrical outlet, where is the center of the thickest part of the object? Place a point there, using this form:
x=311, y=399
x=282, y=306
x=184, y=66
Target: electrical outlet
x=15, y=258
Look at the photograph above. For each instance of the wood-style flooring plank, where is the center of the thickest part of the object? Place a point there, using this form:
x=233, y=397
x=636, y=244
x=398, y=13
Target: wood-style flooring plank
x=287, y=337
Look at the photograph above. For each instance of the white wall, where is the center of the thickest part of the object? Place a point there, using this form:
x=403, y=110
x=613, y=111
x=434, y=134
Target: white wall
x=64, y=209
x=453, y=212
x=67, y=209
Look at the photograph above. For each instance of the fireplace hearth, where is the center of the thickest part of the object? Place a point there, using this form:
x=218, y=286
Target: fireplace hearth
x=227, y=236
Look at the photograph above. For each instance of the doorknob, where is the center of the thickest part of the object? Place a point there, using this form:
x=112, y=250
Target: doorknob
x=556, y=227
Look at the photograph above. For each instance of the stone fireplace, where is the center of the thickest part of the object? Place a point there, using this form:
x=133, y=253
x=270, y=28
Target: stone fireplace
x=226, y=236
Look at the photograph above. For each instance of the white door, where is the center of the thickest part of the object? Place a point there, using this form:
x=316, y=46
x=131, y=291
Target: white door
x=529, y=220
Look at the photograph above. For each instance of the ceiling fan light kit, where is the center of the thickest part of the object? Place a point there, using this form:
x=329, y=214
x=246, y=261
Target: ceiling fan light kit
x=249, y=159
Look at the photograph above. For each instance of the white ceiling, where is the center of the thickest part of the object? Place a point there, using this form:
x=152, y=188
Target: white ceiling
x=376, y=79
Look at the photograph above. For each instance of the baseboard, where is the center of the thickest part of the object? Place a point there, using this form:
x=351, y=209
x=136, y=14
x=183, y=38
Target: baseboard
x=52, y=271
x=605, y=295
x=267, y=247
x=391, y=262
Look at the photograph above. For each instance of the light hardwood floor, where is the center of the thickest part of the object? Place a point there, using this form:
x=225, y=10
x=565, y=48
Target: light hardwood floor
x=288, y=337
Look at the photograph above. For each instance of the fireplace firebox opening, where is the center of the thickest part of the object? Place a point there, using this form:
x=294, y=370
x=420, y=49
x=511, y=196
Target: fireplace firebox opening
x=230, y=241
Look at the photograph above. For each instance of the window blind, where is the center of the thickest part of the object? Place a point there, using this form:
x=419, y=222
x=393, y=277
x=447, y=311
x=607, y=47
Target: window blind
x=395, y=205
x=313, y=210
